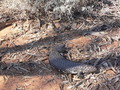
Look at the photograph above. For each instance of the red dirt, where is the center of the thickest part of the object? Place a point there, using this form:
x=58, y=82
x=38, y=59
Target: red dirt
x=25, y=71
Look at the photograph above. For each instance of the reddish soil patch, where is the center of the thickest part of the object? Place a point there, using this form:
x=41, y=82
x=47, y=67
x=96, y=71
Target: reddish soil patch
x=24, y=57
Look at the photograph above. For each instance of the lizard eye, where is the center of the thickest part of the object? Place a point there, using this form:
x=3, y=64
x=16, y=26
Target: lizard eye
x=81, y=75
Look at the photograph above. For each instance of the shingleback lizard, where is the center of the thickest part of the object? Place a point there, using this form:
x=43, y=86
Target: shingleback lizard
x=68, y=66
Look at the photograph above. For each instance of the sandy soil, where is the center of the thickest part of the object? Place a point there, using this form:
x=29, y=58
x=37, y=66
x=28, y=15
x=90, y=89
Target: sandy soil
x=25, y=46
x=25, y=50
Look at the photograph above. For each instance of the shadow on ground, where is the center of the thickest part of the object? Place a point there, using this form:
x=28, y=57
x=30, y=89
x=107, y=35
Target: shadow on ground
x=39, y=68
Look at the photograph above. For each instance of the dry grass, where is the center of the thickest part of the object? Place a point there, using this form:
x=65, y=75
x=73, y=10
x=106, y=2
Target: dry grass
x=53, y=8
x=28, y=43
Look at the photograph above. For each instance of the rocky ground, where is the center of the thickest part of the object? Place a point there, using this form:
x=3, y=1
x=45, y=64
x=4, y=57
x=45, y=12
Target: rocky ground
x=92, y=38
